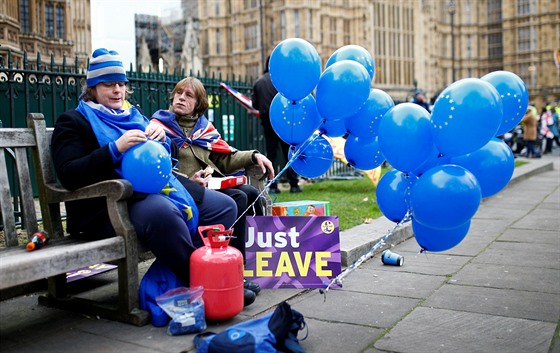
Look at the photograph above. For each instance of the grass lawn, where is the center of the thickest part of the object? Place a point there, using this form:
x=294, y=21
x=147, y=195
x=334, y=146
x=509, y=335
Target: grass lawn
x=353, y=201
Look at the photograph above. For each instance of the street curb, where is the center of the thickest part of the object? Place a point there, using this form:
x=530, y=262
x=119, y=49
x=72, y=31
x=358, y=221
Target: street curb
x=358, y=241
x=532, y=168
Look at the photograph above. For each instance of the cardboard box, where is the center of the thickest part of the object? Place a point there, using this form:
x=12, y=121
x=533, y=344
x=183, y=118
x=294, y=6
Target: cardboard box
x=226, y=182
x=301, y=208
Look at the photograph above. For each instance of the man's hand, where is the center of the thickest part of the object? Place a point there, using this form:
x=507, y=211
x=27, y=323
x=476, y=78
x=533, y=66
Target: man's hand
x=201, y=178
x=265, y=164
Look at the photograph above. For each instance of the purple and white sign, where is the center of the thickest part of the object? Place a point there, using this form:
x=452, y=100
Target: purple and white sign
x=292, y=252
x=88, y=271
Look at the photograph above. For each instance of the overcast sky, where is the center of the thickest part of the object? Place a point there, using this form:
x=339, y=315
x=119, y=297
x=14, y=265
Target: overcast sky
x=112, y=23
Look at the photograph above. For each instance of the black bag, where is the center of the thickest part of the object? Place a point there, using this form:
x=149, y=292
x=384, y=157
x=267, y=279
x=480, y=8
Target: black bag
x=275, y=332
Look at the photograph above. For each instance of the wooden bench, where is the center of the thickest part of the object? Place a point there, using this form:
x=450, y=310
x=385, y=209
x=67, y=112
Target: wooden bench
x=64, y=254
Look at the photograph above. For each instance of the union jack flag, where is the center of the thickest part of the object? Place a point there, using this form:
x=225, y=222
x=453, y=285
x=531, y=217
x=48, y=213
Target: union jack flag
x=204, y=133
x=241, y=98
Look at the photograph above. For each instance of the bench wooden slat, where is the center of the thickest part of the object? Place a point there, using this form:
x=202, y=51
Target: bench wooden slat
x=21, y=266
x=17, y=137
x=6, y=205
x=26, y=192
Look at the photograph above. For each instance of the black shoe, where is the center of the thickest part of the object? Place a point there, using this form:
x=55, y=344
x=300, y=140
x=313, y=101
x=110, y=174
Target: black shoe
x=274, y=190
x=248, y=297
x=295, y=189
x=252, y=286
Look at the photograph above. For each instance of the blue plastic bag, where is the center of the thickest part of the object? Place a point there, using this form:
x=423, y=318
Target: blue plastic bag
x=186, y=309
x=157, y=280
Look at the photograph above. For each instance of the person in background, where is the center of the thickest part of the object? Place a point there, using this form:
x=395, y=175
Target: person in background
x=530, y=121
x=549, y=127
x=554, y=126
x=263, y=94
x=88, y=144
x=420, y=99
x=201, y=146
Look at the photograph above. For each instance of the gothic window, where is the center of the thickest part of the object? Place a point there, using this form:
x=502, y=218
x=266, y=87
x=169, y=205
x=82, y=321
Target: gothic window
x=49, y=20
x=296, y=23
x=250, y=4
x=495, y=46
x=526, y=7
x=346, y=34
x=24, y=16
x=218, y=42
x=310, y=24
x=272, y=33
x=332, y=31
x=282, y=25
x=251, y=32
x=528, y=74
x=494, y=11
x=231, y=36
x=206, y=44
x=60, y=21
x=526, y=39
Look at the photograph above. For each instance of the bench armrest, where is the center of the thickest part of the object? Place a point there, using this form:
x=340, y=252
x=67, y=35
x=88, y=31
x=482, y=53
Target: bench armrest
x=117, y=189
x=257, y=179
x=116, y=192
x=255, y=172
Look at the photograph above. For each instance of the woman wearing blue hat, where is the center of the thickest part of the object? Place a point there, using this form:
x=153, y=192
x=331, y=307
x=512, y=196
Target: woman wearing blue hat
x=88, y=144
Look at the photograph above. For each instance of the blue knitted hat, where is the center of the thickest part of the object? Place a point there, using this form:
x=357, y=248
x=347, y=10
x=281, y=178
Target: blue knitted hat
x=105, y=66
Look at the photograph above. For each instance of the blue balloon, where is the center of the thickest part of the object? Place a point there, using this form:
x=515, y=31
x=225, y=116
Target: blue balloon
x=363, y=152
x=435, y=240
x=312, y=158
x=295, y=68
x=445, y=197
x=492, y=165
x=405, y=136
x=466, y=116
x=391, y=194
x=342, y=89
x=294, y=121
x=147, y=166
x=356, y=53
x=366, y=121
x=515, y=97
x=333, y=128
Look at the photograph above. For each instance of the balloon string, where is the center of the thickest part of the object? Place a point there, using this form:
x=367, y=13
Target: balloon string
x=340, y=278
x=296, y=154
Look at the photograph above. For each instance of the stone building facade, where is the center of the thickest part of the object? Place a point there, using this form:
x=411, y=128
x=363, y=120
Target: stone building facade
x=60, y=27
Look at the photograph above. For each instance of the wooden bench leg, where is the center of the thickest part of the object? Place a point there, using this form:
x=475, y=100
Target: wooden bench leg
x=125, y=310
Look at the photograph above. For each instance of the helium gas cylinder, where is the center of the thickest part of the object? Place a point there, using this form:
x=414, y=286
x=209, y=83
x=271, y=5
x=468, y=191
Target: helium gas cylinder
x=218, y=268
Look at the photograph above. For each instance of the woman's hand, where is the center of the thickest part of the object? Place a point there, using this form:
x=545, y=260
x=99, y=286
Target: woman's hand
x=155, y=132
x=201, y=178
x=129, y=139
